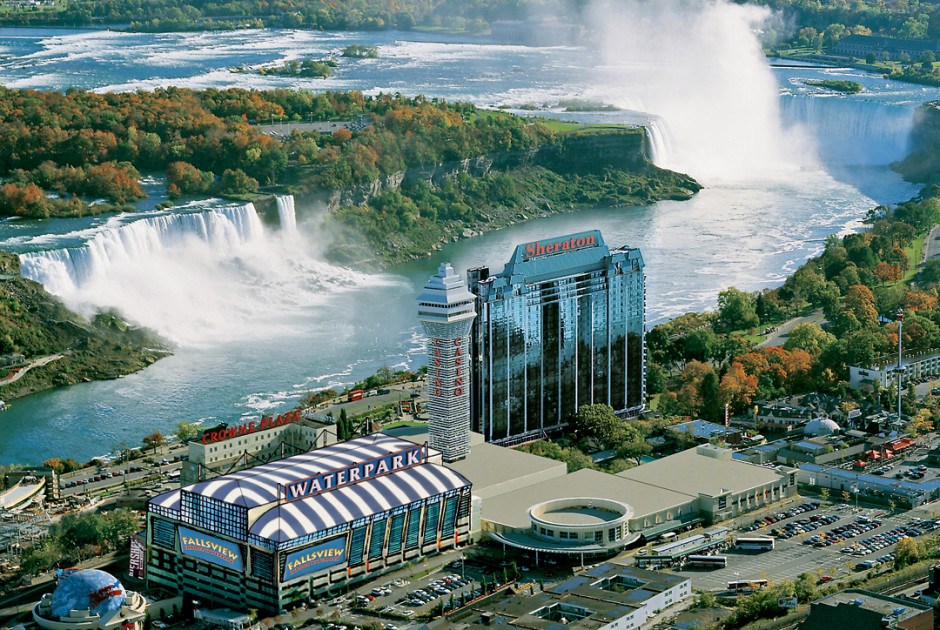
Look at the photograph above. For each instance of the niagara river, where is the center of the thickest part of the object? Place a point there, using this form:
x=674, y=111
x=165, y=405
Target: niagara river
x=258, y=317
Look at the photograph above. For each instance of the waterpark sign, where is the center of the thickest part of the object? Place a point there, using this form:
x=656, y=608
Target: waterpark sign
x=354, y=473
x=563, y=244
x=210, y=549
x=315, y=559
x=250, y=427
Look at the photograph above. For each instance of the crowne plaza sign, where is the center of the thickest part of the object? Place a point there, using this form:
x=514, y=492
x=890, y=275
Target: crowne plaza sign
x=354, y=473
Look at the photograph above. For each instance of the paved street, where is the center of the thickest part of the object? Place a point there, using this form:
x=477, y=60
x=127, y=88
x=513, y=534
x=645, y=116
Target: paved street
x=779, y=335
x=932, y=244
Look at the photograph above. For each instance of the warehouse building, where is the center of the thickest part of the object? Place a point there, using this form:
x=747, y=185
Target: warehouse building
x=274, y=535
x=608, y=596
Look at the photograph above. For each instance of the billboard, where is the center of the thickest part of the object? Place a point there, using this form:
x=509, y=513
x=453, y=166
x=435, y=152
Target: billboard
x=313, y=559
x=211, y=549
x=138, y=563
x=311, y=486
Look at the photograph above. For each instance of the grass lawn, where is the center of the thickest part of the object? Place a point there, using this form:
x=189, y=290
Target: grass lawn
x=914, y=252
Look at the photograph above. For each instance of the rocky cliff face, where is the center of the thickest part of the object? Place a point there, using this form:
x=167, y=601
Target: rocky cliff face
x=588, y=153
x=923, y=163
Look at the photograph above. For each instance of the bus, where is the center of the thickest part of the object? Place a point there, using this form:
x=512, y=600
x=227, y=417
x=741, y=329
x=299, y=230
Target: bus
x=707, y=562
x=746, y=586
x=356, y=394
x=754, y=544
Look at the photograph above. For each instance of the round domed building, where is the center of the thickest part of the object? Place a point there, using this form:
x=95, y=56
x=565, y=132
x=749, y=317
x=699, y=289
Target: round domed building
x=821, y=426
x=90, y=600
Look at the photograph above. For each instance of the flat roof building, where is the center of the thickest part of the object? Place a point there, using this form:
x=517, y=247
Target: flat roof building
x=610, y=595
x=560, y=327
x=864, y=610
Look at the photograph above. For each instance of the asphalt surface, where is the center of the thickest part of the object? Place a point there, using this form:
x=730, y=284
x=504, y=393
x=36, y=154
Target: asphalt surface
x=932, y=244
x=779, y=335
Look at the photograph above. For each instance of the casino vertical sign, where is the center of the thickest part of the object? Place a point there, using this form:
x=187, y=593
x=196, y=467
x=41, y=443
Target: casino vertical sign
x=447, y=375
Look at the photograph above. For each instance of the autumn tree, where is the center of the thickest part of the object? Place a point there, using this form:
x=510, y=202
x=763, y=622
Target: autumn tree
x=737, y=387
x=860, y=302
x=154, y=440
x=921, y=423
x=54, y=463
x=185, y=179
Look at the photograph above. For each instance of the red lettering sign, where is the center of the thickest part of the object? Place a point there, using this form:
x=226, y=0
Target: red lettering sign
x=250, y=427
x=540, y=248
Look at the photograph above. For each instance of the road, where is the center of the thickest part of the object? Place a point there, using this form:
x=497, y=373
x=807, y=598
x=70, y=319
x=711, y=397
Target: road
x=32, y=364
x=932, y=244
x=779, y=336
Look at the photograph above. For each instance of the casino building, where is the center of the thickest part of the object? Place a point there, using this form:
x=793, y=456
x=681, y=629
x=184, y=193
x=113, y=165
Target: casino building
x=560, y=327
x=273, y=535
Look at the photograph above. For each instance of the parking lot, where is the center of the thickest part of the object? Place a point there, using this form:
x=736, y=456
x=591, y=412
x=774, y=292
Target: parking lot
x=832, y=542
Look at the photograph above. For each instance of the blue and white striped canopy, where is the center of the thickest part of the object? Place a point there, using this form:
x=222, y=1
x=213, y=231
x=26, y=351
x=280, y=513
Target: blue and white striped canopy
x=258, y=486
x=288, y=521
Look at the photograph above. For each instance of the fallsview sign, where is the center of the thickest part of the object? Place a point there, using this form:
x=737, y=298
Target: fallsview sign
x=354, y=473
x=250, y=427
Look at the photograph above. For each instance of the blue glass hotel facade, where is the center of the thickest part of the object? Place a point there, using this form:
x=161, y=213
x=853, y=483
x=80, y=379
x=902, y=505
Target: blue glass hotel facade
x=560, y=327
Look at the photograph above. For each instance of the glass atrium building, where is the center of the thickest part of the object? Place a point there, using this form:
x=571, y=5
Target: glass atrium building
x=560, y=327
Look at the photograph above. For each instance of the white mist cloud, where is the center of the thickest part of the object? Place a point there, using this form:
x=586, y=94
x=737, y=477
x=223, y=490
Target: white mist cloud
x=697, y=66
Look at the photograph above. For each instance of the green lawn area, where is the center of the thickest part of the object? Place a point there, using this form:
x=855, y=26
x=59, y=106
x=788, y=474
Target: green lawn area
x=914, y=252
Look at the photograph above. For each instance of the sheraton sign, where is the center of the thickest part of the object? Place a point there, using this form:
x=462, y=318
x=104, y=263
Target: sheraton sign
x=354, y=473
x=250, y=427
x=559, y=245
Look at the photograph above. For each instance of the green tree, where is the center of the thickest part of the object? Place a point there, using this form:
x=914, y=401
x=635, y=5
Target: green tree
x=600, y=423
x=737, y=310
x=186, y=431
x=809, y=337
x=907, y=552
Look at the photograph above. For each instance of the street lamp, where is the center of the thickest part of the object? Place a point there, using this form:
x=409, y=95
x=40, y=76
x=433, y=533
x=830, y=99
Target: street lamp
x=900, y=326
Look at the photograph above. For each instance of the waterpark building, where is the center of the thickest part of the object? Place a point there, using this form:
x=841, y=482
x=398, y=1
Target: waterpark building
x=276, y=534
x=560, y=327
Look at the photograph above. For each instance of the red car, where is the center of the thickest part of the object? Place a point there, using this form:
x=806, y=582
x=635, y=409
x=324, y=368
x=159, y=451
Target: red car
x=825, y=578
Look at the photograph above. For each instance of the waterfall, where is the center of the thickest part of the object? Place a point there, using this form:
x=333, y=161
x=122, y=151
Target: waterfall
x=285, y=212
x=658, y=135
x=221, y=230
x=851, y=131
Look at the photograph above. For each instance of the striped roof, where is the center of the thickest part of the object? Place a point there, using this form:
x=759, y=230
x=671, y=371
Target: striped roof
x=288, y=521
x=258, y=486
x=167, y=500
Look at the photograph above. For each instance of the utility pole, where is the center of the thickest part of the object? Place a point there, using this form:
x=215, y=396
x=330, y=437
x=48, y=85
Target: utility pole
x=900, y=326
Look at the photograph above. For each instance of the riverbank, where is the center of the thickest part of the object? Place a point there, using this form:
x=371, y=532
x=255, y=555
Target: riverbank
x=44, y=345
x=410, y=214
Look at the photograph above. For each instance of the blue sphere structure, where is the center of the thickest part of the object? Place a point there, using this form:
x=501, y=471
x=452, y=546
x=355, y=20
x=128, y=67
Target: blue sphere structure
x=91, y=589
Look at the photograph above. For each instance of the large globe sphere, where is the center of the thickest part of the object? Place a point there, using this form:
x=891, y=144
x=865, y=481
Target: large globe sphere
x=91, y=589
